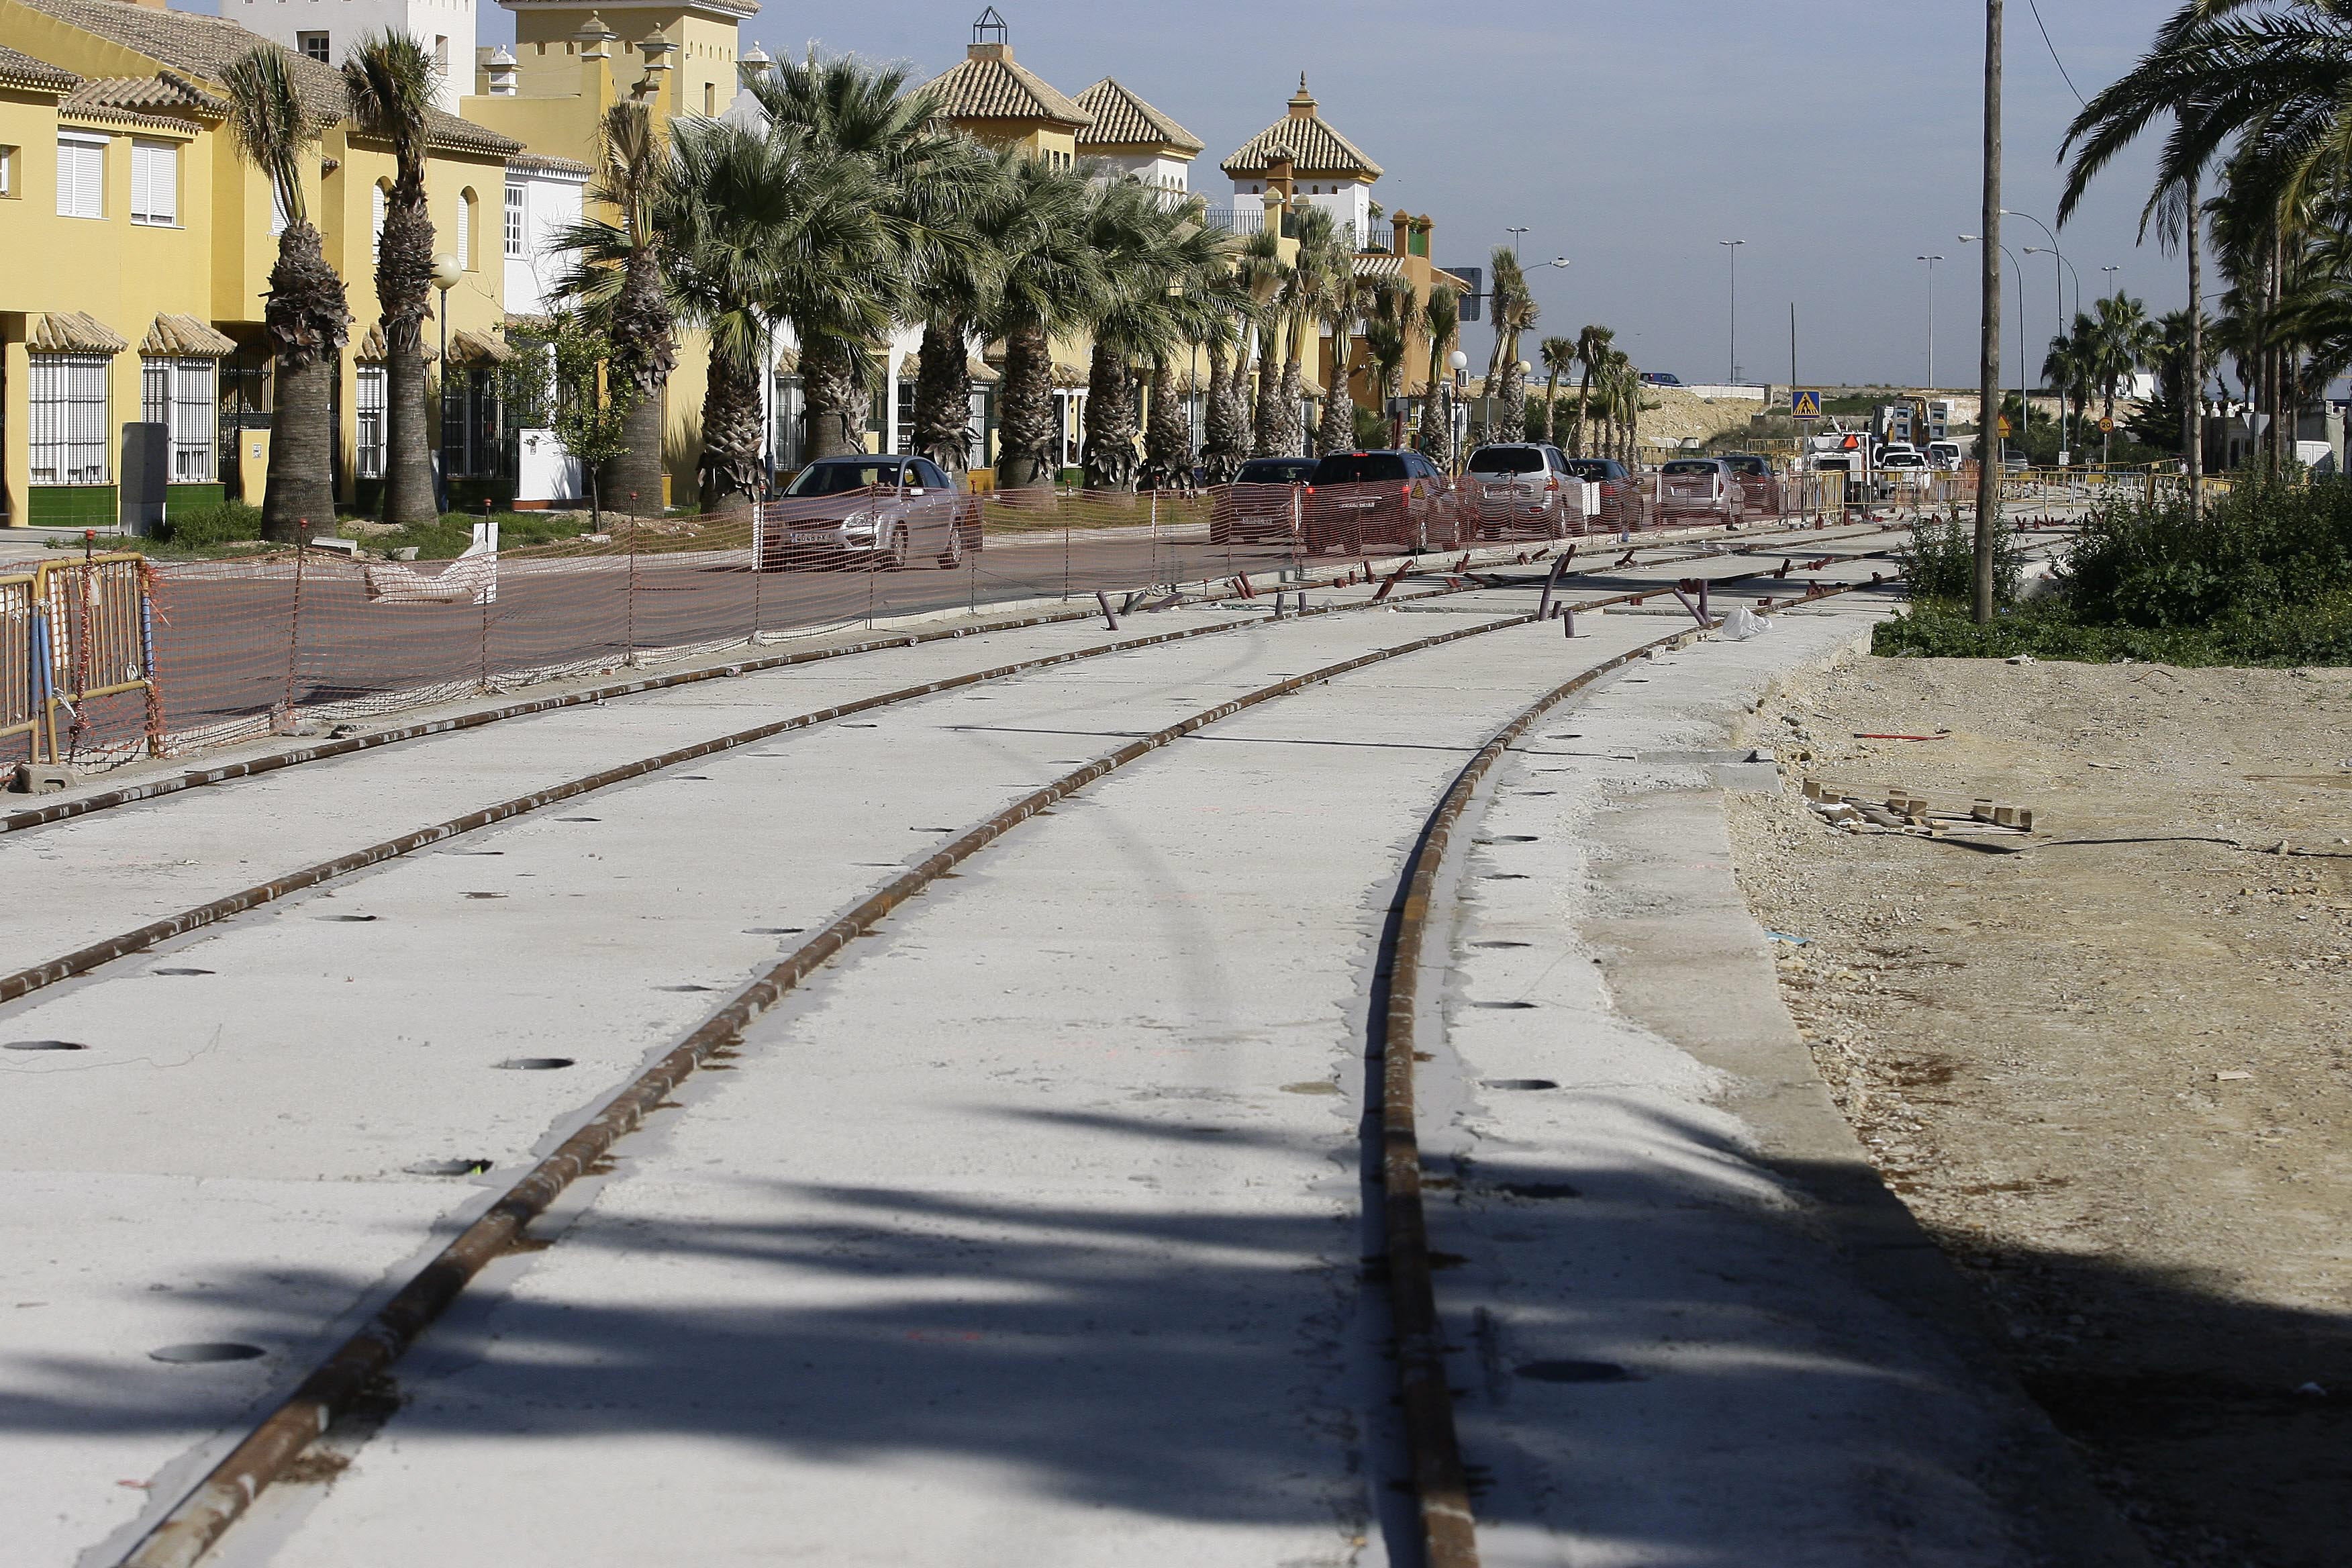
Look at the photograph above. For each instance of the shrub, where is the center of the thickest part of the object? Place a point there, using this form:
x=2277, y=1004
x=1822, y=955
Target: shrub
x=193, y=528
x=1940, y=562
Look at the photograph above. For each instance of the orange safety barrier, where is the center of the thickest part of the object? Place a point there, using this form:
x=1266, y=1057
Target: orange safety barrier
x=76, y=638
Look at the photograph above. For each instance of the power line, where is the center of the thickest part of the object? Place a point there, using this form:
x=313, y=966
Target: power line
x=2036, y=10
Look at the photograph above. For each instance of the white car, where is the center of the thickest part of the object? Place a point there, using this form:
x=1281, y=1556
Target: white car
x=1946, y=455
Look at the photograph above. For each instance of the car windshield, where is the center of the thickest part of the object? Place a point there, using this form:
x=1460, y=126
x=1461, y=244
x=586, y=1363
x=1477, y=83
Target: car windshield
x=832, y=479
x=1274, y=471
x=1757, y=466
x=1689, y=466
x=1589, y=468
x=1359, y=468
x=1506, y=460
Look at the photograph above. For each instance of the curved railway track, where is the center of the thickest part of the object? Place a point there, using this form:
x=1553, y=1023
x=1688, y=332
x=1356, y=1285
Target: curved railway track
x=183, y=1533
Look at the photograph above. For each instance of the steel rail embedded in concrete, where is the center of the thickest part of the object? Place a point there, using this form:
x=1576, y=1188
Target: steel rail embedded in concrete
x=227, y=1492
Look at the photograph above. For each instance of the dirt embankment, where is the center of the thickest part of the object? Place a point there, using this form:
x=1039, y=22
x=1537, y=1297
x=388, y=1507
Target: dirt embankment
x=2113, y=1072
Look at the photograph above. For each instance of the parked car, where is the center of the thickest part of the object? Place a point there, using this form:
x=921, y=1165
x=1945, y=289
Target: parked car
x=1707, y=485
x=1625, y=495
x=1661, y=378
x=1400, y=498
x=1522, y=490
x=1757, y=480
x=1946, y=455
x=882, y=511
x=1902, y=468
x=1259, y=504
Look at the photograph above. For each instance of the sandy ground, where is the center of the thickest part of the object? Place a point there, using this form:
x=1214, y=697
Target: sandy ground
x=2110, y=1072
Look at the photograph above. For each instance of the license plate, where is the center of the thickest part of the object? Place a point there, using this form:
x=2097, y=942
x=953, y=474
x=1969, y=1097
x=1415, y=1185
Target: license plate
x=812, y=538
x=1498, y=489
x=1358, y=505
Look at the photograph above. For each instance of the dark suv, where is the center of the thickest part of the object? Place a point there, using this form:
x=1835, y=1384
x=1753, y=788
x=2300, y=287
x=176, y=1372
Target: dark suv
x=1261, y=502
x=1624, y=496
x=1391, y=498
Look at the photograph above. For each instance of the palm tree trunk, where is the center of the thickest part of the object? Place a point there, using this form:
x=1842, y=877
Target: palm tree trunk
x=403, y=280
x=1228, y=426
x=1551, y=405
x=943, y=397
x=645, y=353
x=839, y=402
x=1291, y=434
x=1336, y=431
x=634, y=479
x=1109, y=452
x=308, y=324
x=2192, y=412
x=1266, y=421
x=730, y=431
x=1583, y=396
x=1168, y=431
x=1025, y=423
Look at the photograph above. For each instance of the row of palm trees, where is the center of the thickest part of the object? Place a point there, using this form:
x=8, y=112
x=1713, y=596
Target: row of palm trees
x=2253, y=99
x=2099, y=352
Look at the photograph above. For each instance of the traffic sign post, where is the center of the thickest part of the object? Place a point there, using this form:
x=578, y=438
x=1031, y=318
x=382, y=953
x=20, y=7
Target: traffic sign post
x=1805, y=405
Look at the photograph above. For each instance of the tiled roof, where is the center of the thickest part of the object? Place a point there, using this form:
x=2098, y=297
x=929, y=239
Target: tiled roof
x=1123, y=120
x=163, y=93
x=373, y=349
x=204, y=45
x=185, y=337
x=24, y=71
x=540, y=164
x=469, y=347
x=73, y=332
x=992, y=87
x=737, y=8
x=1312, y=147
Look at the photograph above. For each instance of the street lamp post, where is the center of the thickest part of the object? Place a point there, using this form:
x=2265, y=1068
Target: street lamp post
x=1515, y=234
x=2063, y=429
x=2057, y=295
x=1733, y=246
x=446, y=271
x=1931, y=261
x=1457, y=362
x=2111, y=272
x=1990, y=421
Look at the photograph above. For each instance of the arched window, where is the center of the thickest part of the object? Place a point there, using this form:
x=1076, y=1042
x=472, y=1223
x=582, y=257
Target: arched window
x=466, y=228
x=377, y=198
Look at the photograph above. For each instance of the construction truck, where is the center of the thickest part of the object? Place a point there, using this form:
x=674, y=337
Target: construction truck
x=1908, y=422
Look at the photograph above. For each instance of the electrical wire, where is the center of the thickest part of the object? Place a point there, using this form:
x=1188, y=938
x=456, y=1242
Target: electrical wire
x=2036, y=10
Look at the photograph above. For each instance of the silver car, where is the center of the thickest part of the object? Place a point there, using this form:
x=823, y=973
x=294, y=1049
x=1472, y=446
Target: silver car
x=884, y=512
x=1703, y=485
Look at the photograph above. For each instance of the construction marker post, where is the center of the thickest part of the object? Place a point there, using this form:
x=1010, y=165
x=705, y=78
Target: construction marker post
x=1103, y=599
x=1552, y=584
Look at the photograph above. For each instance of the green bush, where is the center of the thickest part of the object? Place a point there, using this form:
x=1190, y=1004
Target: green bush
x=193, y=528
x=1940, y=562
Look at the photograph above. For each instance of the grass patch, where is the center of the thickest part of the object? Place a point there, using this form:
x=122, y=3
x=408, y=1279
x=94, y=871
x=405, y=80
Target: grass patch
x=2264, y=577
x=198, y=528
x=452, y=534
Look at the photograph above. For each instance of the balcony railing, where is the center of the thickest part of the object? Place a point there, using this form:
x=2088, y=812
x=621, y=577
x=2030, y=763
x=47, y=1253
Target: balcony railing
x=1237, y=220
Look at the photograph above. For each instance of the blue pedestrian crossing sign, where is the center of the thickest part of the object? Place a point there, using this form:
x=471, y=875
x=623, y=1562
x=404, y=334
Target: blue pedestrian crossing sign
x=1805, y=405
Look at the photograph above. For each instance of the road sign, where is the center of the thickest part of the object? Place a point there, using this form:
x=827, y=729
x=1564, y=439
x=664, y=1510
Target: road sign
x=2106, y=422
x=2004, y=426
x=1805, y=405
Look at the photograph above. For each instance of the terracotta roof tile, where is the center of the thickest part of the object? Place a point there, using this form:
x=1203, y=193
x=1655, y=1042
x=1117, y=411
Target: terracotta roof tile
x=73, y=332
x=1123, y=120
x=23, y=70
x=203, y=47
x=992, y=87
x=185, y=337
x=1312, y=146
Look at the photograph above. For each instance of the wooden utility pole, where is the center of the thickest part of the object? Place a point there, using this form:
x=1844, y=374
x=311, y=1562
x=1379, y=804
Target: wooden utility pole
x=2193, y=415
x=1988, y=466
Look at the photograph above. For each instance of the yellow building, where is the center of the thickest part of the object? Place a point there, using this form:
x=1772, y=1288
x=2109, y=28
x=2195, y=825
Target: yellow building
x=140, y=245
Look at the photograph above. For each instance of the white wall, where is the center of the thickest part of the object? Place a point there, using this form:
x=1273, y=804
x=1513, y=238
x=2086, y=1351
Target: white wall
x=1167, y=174
x=550, y=203
x=344, y=21
x=1349, y=201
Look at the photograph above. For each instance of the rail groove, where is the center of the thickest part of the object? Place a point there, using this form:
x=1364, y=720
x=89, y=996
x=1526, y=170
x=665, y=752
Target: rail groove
x=190, y=1528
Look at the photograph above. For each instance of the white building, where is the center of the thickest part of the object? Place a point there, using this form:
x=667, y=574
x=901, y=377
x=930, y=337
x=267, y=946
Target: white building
x=1302, y=158
x=1131, y=136
x=543, y=199
x=326, y=29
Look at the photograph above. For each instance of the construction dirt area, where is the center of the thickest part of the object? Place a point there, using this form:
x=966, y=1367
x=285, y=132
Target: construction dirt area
x=2108, y=1064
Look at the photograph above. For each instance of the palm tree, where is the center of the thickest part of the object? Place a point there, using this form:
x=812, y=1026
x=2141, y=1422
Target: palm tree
x=952, y=295
x=1515, y=313
x=392, y=79
x=1050, y=281
x=1441, y=321
x=1224, y=331
x=1558, y=354
x=618, y=280
x=1311, y=274
x=1126, y=228
x=2068, y=368
x=926, y=180
x=1344, y=301
x=1593, y=345
x=1266, y=281
x=756, y=225
x=2124, y=340
x=306, y=318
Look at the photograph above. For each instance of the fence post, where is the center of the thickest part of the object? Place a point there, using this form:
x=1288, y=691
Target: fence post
x=294, y=622
x=630, y=658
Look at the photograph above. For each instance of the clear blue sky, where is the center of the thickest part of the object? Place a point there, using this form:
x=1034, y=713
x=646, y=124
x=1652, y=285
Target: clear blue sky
x=1839, y=138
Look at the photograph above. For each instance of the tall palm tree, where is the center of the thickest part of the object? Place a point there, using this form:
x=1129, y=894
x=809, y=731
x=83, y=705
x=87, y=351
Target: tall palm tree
x=1441, y=327
x=2069, y=369
x=926, y=180
x=1515, y=313
x=1050, y=281
x=1223, y=332
x=618, y=280
x=952, y=295
x=306, y=318
x=1311, y=277
x=1266, y=281
x=1558, y=355
x=755, y=224
x=1345, y=299
x=392, y=80
x=2125, y=340
x=1593, y=345
x=1160, y=264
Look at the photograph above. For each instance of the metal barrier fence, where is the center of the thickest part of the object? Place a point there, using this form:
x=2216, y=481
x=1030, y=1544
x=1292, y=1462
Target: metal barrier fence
x=204, y=652
x=74, y=635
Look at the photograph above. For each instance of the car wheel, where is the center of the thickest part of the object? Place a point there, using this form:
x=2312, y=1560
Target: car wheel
x=952, y=557
x=893, y=556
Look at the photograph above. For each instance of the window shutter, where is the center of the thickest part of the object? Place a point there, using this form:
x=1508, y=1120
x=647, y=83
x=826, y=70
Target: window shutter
x=375, y=200
x=154, y=183
x=81, y=179
x=466, y=231
x=515, y=211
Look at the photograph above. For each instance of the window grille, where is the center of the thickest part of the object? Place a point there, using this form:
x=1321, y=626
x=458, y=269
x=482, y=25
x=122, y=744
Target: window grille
x=371, y=422
x=466, y=230
x=195, y=410
x=69, y=410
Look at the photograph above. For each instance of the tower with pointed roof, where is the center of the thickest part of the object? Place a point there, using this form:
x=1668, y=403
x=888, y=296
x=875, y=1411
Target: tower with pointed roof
x=1130, y=135
x=1301, y=158
x=1004, y=103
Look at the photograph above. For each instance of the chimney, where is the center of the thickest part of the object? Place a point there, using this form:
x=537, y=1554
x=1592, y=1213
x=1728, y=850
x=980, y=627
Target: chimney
x=754, y=64
x=1399, y=225
x=499, y=71
x=990, y=39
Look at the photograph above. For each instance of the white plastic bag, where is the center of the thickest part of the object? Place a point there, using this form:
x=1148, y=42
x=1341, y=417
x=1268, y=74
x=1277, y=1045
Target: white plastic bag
x=1741, y=623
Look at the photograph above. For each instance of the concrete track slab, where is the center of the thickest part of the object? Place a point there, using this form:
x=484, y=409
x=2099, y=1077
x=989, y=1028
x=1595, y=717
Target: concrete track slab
x=1058, y=1261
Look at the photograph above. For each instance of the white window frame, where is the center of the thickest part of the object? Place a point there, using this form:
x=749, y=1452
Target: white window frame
x=182, y=396
x=518, y=222
x=7, y=171
x=466, y=228
x=374, y=393
x=154, y=183
x=70, y=407
x=81, y=176
x=325, y=53
x=377, y=201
